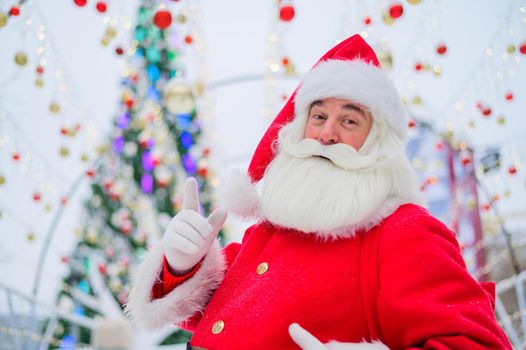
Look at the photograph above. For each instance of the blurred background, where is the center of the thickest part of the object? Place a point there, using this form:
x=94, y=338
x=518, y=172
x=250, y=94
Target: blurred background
x=107, y=106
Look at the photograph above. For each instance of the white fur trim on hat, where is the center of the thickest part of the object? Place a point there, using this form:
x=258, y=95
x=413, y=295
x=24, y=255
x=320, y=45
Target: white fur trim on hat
x=185, y=300
x=354, y=80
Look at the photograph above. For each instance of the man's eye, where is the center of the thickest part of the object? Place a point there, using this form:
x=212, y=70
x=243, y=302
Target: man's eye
x=318, y=117
x=349, y=121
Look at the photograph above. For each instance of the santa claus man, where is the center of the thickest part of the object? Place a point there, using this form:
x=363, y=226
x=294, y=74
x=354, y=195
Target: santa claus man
x=342, y=255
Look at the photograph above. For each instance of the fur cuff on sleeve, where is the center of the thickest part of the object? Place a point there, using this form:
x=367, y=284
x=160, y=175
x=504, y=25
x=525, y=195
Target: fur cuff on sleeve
x=333, y=345
x=185, y=300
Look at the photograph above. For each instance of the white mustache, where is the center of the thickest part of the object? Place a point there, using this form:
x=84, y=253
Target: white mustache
x=342, y=155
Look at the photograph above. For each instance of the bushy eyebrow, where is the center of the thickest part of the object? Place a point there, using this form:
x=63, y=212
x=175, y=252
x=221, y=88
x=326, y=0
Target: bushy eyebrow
x=348, y=106
x=352, y=107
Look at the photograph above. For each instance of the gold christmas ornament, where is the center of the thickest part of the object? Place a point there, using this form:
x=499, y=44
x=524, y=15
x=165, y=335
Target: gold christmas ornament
x=414, y=2
x=417, y=100
x=21, y=58
x=386, y=58
x=290, y=69
x=91, y=237
x=384, y=55
x=181, y=18
x=111, y=32
x=2, y=180
x=84, y=157
x=3, y=19
x=64, y=151
x=470, y=203
x=178, y=97
x=39, y=82
x=437, y=71
x=501, y=120
x=387, y=19
x=30, y=236
x=105, y=41
x=54, y=107
x=510, y=48
x=199, y=89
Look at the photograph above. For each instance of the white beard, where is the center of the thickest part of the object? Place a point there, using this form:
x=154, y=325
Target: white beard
x=353, y=190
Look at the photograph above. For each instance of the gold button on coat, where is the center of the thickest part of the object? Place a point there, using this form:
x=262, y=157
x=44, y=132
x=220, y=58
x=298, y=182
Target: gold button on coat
x=218, y=327
x=262, y=268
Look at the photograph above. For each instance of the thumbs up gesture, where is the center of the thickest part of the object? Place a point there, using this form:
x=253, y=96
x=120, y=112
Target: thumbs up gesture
x=189, y=235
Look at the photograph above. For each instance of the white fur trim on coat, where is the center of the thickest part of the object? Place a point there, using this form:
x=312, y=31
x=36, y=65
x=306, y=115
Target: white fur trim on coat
x=238, y=195
x=355, y=346
x=185, y=300
x=354, y=80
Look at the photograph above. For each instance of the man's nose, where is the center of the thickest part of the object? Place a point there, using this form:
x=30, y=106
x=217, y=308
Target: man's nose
x=329, y=134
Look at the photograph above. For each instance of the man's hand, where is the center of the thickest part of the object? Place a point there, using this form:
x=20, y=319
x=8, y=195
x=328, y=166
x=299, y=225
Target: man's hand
x=189, y=235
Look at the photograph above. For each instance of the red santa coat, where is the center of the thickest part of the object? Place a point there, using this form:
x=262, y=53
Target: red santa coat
x=403, y=282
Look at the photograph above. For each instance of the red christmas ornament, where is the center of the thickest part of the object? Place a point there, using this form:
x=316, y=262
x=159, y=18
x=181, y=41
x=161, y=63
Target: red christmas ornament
x=103, y=269
x=40, y=69
x=285, y=61
x=119, y=50
x=64, y=200
x=418, y=66
x=203, y=172
x=367, y=20
x=286, y=13
x=64, y=130
x=486, y=112
x=396, y=10
x=206, y=152
x=465, y=160
x=162, y=183
x=486, y=207
x=80, y=3
x=107, y=185
x=101, y=6
x=126, y=228
x=411, y=124
x=480, y=106
x=90, y=173
x=439, y=146
x=14, y=11
x=37, y=197
x=441, y=49
x=522, y=48
x=64, y=259
x=129, y=102
x=188, y=39
x=512, y=170
x=509, y=96
x=162, y=19
x=16, y=156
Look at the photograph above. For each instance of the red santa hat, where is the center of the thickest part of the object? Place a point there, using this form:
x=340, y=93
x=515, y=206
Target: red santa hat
x=350, y=70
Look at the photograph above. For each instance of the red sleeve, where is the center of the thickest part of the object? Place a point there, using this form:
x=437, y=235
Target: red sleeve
x=427, y=299
x=168, y=281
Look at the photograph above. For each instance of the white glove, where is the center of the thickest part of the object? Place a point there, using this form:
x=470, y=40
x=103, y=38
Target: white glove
x=307, y=341
x=189, y=235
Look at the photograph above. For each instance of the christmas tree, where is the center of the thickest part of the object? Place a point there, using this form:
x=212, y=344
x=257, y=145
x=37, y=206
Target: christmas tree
x=135, y=183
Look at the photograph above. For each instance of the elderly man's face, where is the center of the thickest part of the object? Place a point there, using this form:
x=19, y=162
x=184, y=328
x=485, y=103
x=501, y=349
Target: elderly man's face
x=336, y=120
